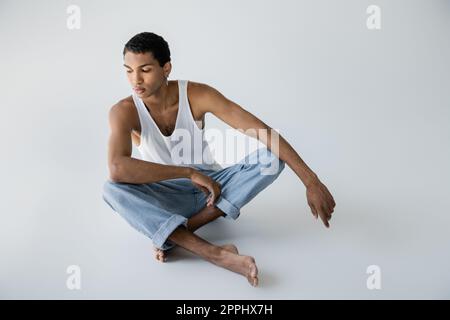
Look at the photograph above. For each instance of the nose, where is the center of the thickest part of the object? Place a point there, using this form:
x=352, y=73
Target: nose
x=136, y=79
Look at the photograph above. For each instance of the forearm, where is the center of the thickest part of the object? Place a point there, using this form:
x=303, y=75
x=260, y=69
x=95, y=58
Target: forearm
x=296, y=163
x=132, y=170
x=280, y=147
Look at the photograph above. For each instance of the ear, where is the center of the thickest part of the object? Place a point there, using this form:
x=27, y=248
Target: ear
x=167, y=68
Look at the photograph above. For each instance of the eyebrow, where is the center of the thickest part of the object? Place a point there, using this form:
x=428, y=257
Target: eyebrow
x=147, y=64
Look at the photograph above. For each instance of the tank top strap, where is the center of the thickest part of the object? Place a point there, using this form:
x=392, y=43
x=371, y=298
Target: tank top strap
x=184, y=104
x=182, y=99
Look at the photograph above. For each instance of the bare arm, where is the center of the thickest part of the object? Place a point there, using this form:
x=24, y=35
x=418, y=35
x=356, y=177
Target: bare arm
x=319, y=197
x=234, y=115
x=124, y=168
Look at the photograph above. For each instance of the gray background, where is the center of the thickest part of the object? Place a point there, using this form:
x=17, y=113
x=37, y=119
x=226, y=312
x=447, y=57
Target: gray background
x=367, y=110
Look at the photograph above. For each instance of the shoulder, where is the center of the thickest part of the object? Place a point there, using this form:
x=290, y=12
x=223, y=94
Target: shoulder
x=200, y=90
x=204, y=96
x=125, y=111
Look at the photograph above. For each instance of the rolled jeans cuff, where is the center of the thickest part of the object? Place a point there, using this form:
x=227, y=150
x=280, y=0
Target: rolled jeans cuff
x=230, y=210
x=160, y=236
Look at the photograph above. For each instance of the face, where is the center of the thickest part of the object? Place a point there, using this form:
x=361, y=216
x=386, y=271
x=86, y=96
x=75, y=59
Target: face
x=144, y=73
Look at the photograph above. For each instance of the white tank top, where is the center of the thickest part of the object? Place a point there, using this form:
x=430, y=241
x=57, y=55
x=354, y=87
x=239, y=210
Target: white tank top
x=185, y=147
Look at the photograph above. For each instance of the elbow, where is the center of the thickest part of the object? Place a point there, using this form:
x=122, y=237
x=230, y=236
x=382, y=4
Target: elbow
x=116, y=172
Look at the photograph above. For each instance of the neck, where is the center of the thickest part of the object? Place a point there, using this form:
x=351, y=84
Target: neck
x=160, y=100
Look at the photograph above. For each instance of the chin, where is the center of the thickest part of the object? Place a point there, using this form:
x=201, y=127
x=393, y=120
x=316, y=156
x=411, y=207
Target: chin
x=145, y=94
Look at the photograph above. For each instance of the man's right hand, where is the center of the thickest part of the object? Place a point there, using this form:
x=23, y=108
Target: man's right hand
x=208, y=185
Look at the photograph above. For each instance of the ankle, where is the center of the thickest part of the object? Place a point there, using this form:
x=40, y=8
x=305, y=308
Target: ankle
x=191, y=226
x=218, y=254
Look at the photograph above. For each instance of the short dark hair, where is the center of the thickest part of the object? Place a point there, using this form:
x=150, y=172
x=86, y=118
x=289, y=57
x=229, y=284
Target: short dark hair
x=149, y=42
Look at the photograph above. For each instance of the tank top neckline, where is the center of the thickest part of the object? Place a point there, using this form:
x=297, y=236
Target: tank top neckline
x=147, y=112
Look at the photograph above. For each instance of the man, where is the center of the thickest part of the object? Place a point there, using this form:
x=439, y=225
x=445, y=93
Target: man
x=167, y=199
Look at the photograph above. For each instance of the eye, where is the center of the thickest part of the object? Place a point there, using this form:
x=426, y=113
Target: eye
x=129, y=71
x=146, y=70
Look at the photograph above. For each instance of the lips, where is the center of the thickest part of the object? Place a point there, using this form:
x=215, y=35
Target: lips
x=138, y=89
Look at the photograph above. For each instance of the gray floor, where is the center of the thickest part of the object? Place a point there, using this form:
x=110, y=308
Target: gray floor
x=297, y=257
x=367, y=110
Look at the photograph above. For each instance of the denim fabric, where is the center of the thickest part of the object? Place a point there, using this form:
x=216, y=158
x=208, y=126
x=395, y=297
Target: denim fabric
x=157, y=209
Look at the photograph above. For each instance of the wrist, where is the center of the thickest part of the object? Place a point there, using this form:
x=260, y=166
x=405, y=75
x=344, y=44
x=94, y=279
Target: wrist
x=189, y=172
x=310, y=180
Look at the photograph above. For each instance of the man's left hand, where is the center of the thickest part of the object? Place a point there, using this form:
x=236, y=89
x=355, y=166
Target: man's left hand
x=320, y=201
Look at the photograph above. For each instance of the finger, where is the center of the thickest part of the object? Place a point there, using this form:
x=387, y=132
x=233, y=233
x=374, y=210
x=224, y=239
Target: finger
x=202, y=188
x=211, y=197
x=314, y=212
x=219, y=189
x=326, y=209
x=208, y=201
x=218, y=193
x=324, y=219
x=216, y=188
x=333, y=203
x=329, y=204
x=329, y=195
x=330, y=215
x=205, y=190
x=208, y=198
x=214, y=193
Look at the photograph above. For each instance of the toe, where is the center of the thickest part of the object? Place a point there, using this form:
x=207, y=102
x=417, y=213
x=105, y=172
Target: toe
x=160, y=255
x=253, y=281
x=253, y=270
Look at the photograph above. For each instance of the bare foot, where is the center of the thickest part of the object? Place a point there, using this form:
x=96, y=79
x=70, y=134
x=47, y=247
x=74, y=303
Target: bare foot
x=161, y=255
x=244, y=265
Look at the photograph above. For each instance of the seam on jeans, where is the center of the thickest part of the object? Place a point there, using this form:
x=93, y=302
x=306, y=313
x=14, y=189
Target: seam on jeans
x=170, y=192
x=147, y=186
x=196, y=209
x=107, y=202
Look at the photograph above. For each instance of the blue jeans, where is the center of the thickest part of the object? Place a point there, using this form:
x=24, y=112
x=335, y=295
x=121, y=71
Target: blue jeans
x=157, y=209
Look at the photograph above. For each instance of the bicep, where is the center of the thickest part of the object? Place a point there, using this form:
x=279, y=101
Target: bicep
x=119, y=143
x=232, y=113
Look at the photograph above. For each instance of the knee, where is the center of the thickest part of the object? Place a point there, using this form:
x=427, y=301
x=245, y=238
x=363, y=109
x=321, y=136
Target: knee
x=108, y=188
x=111, y=190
